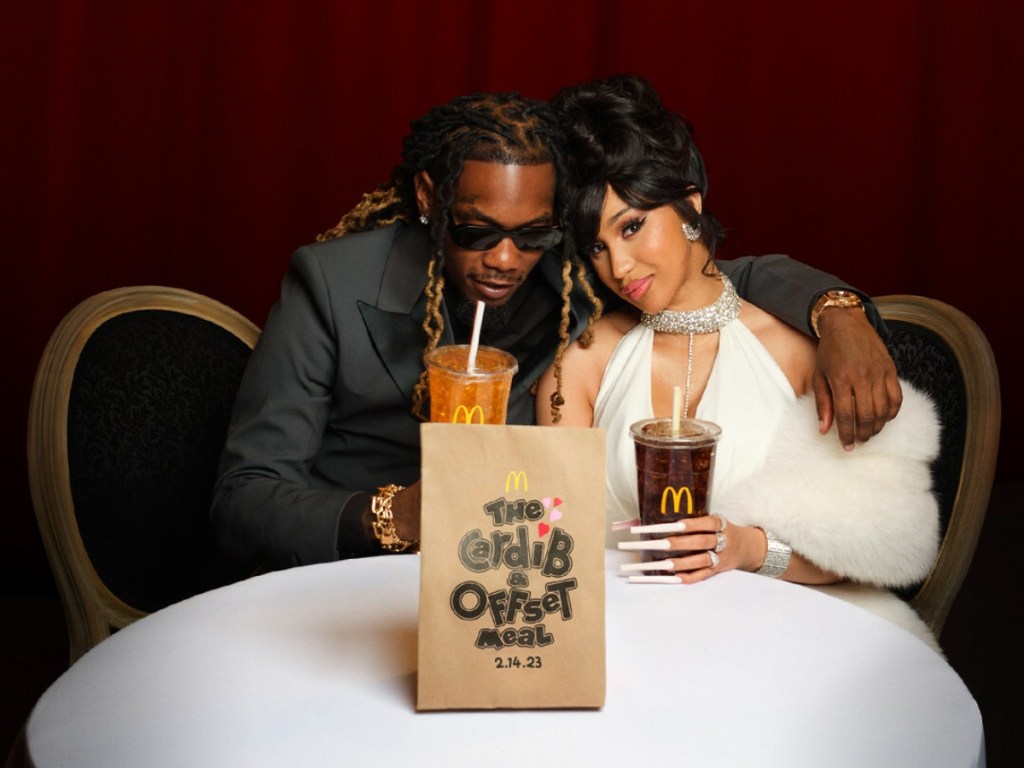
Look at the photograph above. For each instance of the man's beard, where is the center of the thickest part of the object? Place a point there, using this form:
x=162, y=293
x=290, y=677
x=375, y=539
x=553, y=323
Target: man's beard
x=494, y=317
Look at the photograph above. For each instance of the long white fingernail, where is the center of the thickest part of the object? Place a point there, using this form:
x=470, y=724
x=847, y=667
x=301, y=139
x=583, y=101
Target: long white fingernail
x=652, y=544
x=677, y=527
x=655, y=580
x=621, y=525
x=657, y=565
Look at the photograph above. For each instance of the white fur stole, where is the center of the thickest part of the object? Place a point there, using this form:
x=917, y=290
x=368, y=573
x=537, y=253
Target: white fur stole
x=867, y=515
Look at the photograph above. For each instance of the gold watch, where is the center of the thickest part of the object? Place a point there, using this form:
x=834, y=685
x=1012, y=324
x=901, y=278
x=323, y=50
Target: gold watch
x=841, y=299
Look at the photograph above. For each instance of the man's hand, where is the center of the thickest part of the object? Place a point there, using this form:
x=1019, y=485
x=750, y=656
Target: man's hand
x=406, y=510
x=855, y=380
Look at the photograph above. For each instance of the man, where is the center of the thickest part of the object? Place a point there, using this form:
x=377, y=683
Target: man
x=322, y=456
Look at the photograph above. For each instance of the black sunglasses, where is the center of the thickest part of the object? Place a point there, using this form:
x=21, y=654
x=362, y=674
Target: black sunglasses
x=477, y=238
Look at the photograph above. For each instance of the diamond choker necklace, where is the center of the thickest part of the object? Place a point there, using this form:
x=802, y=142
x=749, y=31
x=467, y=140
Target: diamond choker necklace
x=704, y=320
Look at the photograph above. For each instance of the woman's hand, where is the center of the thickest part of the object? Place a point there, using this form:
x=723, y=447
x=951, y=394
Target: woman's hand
x=712, y=545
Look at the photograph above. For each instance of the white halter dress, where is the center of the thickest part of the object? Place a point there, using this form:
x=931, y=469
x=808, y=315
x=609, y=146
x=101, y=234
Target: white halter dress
x=745, y=395
x=750, y=398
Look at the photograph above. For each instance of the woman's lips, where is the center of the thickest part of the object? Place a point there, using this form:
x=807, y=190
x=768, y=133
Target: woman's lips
x=635, y=290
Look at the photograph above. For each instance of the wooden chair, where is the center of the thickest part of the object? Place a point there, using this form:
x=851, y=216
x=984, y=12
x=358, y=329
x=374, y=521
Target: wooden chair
x=943, y=352
x=129, y=411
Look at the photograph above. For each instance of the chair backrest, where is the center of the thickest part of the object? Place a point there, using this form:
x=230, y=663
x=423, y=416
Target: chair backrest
x=129, y=412
x=943, y=352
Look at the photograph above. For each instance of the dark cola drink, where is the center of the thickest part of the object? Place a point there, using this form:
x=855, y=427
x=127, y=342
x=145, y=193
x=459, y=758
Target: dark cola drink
x=675, y=471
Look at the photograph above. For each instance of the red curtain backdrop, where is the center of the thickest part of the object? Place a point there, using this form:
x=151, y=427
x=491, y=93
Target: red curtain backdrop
x=196, y=144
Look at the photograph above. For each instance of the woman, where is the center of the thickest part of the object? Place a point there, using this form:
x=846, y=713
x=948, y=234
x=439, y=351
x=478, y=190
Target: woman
x=786, y=501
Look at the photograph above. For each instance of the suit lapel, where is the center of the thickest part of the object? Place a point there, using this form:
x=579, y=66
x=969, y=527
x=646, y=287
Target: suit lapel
x=394, y=325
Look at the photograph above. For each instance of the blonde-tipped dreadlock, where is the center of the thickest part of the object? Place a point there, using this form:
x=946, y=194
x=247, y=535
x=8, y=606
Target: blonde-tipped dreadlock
x=377, y=209
x=586, y=337
x=501, y=128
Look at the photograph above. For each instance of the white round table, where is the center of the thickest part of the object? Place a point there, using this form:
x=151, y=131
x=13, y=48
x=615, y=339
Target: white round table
x=316, y=666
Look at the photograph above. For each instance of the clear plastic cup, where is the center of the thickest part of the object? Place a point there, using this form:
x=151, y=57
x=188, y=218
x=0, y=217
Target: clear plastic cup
x=461, y=396
x=675, y=470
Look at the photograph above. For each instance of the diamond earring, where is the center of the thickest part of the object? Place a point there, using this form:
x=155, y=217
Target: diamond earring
x=424, y=220
x=692, y=231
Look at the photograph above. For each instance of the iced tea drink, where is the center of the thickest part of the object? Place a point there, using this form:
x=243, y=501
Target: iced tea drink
x=460, y=396
x=674, y=471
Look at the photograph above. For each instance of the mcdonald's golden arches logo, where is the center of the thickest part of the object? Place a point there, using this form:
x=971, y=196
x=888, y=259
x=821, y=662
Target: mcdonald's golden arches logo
x=677, y=498
x=512, y=480
x=468, y=415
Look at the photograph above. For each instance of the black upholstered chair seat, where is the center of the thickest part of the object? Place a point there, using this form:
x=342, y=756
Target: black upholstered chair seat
x=129, y=412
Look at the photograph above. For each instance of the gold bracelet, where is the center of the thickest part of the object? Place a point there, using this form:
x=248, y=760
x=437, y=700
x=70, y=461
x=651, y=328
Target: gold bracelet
x=384, y=521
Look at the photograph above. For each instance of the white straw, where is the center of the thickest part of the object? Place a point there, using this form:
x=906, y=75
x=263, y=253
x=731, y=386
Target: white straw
x=677, y=401
x=474, y=342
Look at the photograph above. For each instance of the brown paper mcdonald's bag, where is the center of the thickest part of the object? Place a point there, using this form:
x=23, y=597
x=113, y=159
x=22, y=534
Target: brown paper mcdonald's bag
x=512, y=568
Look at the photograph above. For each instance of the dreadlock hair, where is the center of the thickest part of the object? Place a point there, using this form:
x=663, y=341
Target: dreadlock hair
x=503, y=128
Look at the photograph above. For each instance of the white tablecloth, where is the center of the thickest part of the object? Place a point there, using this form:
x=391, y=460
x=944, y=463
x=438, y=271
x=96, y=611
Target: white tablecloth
x=316, y=666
